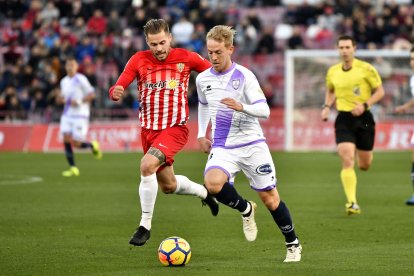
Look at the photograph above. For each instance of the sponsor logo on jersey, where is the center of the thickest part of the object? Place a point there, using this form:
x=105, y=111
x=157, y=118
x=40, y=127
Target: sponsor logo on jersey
x=264, y=169
x=168, y=84
x=208, y=87
x=236, y=84
x=180, y=67
x=172, y=84
x=356, y=91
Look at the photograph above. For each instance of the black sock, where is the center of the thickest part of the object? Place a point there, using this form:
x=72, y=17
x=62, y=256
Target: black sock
x=84, y=145
x=412, y=173
x=229, y=196
x=283, y=220
x=69, y=154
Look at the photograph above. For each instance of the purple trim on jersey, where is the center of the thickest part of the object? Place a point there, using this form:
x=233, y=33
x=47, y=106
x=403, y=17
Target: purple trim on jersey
x=259, y=101
x=268, y=188
x=214, y=72
x=203, y=103
x=75, y=78
x=223, y=125
x=238, y=146
x=67, y=105
x=236, y=81
x=218, y=167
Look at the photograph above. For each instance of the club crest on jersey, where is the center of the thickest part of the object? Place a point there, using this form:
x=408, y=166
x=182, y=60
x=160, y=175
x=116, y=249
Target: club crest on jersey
x=180, y=67
x=264, y=169
x=236, y=84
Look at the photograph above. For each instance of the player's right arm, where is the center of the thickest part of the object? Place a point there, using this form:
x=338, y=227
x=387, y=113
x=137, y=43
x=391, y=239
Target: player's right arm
x=404, y=107
x=203, y=119
x=329, y=97
x=116, y=92
x=328, y=103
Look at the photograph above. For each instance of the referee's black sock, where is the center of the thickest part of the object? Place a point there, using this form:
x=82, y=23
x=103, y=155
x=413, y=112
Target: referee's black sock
x=284, y=221
x=229, y=196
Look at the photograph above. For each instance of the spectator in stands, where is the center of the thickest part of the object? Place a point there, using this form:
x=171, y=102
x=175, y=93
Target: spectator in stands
x=49, y=12
x=182, y=32
x=266, y=44
x=296, y=40
x=96, y=25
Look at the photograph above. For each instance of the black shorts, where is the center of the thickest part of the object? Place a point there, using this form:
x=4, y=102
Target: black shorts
x=358, y=130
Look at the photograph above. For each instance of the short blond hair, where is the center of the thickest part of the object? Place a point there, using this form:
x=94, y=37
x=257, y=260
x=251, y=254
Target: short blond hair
x=222, y=33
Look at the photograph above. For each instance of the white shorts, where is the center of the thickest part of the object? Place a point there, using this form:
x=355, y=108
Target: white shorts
x=76, y=127
x=255, y=161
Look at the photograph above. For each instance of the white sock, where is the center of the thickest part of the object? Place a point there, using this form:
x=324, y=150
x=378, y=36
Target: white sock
x=148, y=189
x=187, y=187
x=248, y=208
x=294, y=242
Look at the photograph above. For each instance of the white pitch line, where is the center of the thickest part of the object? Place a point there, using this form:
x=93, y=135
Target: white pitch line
x=11, y=179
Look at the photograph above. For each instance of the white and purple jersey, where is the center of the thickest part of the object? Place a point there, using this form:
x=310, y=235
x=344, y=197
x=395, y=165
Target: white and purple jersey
x=231, y=129
x=76, y=88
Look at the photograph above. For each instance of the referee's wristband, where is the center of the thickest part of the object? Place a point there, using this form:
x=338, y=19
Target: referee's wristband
x=325, y=106
x=366, y=106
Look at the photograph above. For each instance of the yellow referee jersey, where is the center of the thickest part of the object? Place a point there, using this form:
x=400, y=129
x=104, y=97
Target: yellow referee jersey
x=354, y=85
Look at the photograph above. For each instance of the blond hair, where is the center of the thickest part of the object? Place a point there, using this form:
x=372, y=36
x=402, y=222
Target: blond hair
x=222, y=33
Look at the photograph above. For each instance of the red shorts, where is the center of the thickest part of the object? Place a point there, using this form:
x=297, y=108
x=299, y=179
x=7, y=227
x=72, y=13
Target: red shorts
x=170, y=141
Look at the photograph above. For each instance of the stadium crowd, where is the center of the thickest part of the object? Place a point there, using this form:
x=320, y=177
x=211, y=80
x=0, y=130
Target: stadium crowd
x=37, y=36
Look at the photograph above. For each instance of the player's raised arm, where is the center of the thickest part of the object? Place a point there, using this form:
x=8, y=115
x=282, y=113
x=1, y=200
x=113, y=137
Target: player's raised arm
x=124, y=80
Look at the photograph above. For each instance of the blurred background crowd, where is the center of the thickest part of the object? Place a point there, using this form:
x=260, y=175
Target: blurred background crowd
x=37, y=36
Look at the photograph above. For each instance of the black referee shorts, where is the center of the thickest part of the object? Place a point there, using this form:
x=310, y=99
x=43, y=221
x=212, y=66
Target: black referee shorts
x=358, y=130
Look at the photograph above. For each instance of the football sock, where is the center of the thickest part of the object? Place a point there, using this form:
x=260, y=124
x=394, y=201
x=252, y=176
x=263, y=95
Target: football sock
x=187, y=187
x=349, y=182
x=69, y=154
x=284, y=221
x=148, y=189
x=412, y=173
x=84, y=145
x=229, y=196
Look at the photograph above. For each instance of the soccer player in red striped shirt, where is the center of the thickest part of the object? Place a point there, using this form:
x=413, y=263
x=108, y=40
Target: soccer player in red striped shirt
x=162, y=75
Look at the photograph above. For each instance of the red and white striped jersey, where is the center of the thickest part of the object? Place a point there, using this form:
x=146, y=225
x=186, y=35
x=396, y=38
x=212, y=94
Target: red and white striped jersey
x=162, y=85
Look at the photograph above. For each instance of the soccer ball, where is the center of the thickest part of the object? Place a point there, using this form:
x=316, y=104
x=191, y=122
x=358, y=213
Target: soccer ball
x=174, y=251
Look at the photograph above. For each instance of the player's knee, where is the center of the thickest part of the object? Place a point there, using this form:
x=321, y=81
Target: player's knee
x=168, y=189
x=270, y=200
x=147, y=168
x=213, y=187
x=364, y=166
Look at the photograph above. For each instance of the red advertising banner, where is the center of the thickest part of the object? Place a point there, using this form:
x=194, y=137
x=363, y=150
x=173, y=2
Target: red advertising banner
x=14, y=137
x=126, y=136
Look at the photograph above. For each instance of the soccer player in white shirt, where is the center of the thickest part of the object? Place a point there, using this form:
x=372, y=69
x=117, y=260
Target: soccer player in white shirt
x=231, y=98
x=403, y=108
x=76, y=95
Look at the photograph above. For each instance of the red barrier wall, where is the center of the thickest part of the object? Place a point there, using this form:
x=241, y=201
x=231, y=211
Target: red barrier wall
x=125, y=135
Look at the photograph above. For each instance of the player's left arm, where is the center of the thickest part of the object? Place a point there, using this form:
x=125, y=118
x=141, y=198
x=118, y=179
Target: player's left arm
x=257, y=105
x=377, y=92
x=88, y=92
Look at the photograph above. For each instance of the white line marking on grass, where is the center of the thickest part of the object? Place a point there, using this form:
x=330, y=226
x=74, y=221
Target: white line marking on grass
x=12, y=179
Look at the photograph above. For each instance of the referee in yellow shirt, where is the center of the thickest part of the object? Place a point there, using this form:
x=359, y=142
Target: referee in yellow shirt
x=354, y=86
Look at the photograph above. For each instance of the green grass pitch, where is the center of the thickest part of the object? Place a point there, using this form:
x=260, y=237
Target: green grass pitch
x=50, y=225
